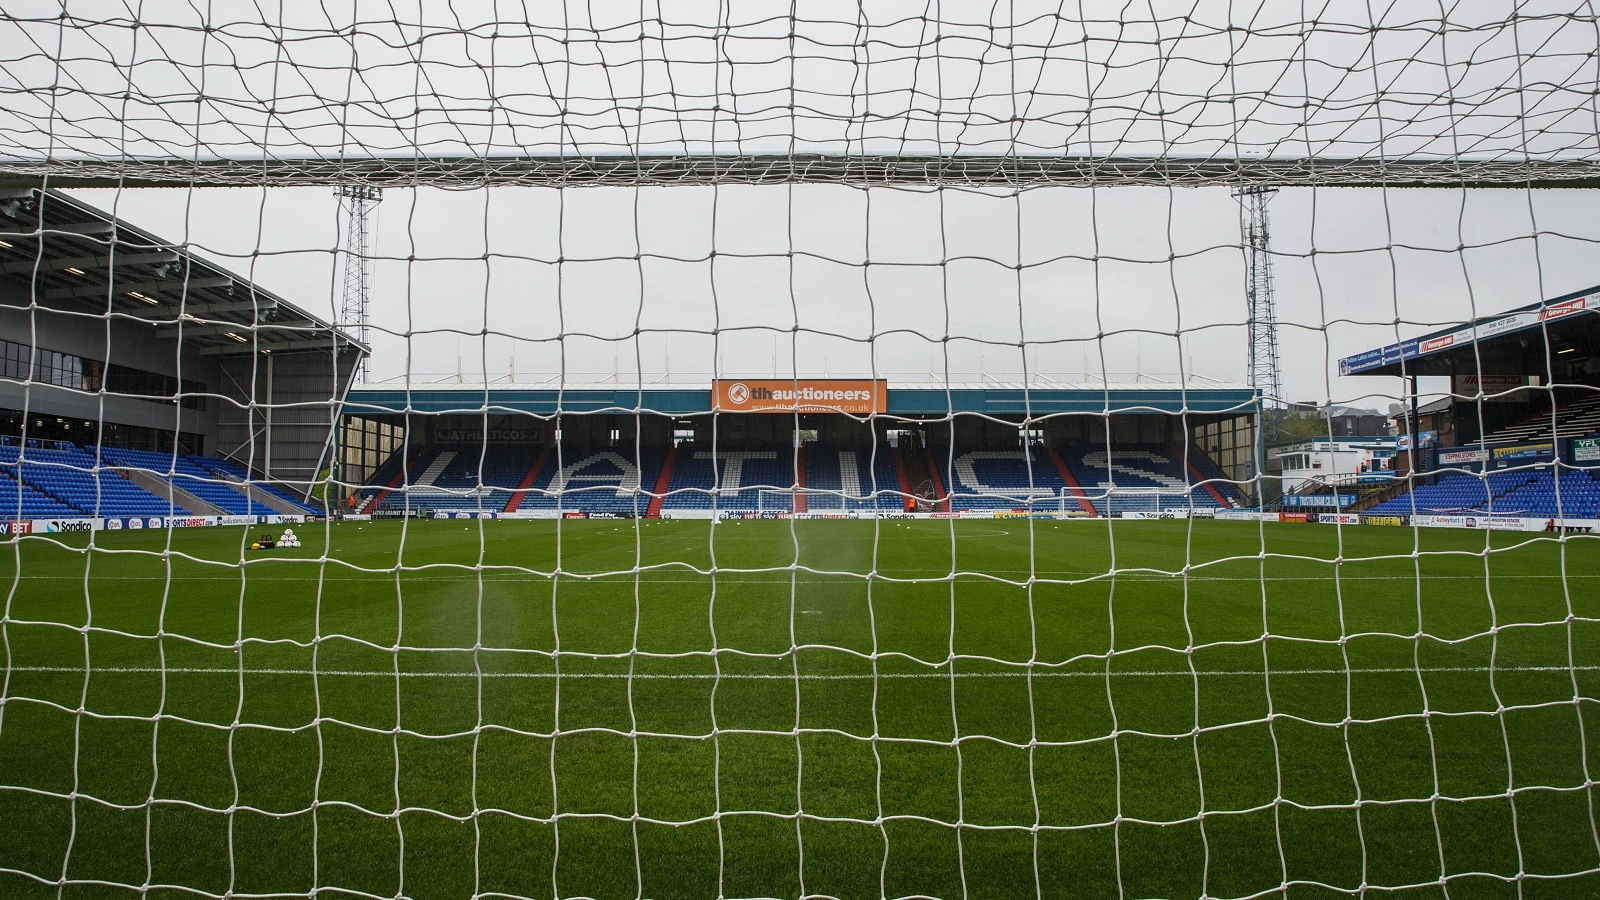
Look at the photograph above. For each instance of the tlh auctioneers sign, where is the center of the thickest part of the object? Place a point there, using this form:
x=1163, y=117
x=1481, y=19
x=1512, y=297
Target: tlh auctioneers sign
x=838, y=395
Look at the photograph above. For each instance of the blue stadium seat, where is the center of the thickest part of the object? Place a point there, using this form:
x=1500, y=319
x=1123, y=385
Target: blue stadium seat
x=76, y=485
x=184, y=473
x=1537, y=493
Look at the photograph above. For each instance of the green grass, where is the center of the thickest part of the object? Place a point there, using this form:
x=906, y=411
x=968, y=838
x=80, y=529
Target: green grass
x=1151, y=734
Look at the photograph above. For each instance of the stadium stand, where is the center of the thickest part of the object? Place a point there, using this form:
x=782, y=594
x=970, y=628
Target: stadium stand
x=1213, y=476
x=844, y=480
x=77, y=483
x=460, y=479
x=1575, y=419
x=60, y=479
x=604, y=481
x=1134, y=480
x=188, y=474
x=229, y=470
x=1003, y=479
x=835, y=480
x=731, y=479
x=1537, y=493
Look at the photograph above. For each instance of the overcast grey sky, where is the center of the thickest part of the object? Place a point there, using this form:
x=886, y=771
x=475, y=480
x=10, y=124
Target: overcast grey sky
x=907, y=282
x=1133, y=273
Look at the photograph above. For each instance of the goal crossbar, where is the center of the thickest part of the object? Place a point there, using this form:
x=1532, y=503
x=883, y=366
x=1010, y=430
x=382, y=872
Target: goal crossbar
x=860, y=170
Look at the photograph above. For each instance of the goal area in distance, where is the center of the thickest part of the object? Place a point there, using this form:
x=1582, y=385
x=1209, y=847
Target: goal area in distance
x=799, y=450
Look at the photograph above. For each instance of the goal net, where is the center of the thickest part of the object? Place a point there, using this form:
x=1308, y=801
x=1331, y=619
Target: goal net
x=677, y=412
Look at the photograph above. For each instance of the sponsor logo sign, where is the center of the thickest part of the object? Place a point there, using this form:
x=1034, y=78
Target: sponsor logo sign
x=476, y=436
x=18, y=527
x=1340, y=518
x=189, y=521
x=1319, y=501
x=60, y=526
x=1586, y=450
x=236, y=520
x=839, y=395
x=1507, y=323
x=1494, y=388
x=1565, y=308
x=1411, y=349
x=1384, y=520
x=574, y=515
x=1429, y=438
x=1463, y=457
x=113, y=524
x=1295, y=517
x=1524, y=451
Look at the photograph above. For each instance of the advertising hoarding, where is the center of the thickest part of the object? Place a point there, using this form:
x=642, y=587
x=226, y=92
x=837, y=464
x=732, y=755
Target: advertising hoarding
x=779, y=395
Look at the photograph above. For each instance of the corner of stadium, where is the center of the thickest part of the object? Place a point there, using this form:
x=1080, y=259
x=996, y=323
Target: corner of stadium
x=144, y=386
x=1514, y=443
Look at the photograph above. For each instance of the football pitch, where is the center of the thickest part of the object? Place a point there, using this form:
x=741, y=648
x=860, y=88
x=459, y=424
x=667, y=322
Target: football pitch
x=973, y=708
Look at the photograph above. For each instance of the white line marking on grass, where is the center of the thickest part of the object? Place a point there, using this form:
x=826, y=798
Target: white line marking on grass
x=709, y=676
x=780, y=576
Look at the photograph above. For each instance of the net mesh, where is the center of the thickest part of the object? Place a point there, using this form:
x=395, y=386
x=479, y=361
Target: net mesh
x=604, y=232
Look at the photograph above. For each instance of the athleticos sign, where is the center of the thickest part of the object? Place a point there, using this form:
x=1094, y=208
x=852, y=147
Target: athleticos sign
x=837, y=395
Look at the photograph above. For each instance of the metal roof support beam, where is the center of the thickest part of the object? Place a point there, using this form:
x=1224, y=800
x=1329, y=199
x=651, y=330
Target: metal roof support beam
x=162, y=314
x=54, y=264
x=324, y=344
x=75, y=229
x=143, y=287
x=169, y=328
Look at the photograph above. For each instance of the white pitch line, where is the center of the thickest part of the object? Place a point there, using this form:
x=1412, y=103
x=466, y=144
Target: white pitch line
x=708, y=676
x=780, y=577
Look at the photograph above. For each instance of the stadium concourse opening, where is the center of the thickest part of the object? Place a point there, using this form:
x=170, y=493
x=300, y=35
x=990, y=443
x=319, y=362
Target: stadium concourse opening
x=814, y=447
x=1517, y=434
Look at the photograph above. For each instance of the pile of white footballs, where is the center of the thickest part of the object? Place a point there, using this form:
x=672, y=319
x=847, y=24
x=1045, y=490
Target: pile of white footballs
x=289, y=541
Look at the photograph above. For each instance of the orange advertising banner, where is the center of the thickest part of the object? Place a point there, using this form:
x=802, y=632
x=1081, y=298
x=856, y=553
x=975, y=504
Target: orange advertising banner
x=855, y=396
